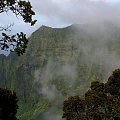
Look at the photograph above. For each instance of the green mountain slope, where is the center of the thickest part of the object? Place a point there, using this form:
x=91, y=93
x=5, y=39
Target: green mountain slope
x=59, y=62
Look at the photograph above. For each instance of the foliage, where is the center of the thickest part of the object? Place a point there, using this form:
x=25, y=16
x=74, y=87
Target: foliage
x=8, y=105
x=17, y=73
x=113, y=84
x=31, y=112
x=74, y=106
x=19, y=41
x=101, y=102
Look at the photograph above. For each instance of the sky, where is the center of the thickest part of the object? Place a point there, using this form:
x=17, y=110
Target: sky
x=61, y=13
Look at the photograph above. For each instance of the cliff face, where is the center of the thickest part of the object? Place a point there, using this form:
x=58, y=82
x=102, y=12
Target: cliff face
x=59, y=62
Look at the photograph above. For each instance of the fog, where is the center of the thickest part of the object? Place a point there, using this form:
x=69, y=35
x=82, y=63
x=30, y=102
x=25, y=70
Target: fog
x=78, y=11
x=99, y=44
x=98, y=19
x=97, y=35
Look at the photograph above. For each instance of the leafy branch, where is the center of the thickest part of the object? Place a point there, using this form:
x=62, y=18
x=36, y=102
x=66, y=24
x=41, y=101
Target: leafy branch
x=18, y=42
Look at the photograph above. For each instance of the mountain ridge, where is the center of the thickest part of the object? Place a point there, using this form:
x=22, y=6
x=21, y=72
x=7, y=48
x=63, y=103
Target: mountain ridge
x=59, y=62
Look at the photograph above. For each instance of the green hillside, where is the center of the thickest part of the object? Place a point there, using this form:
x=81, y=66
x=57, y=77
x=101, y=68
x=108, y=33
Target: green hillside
x=59, y=62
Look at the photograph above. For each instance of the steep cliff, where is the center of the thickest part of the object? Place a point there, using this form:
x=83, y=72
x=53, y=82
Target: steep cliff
x=59, y=62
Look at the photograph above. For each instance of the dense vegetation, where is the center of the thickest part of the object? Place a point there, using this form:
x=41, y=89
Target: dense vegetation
x=100, y=102
x=8, y=105
x=58, y=63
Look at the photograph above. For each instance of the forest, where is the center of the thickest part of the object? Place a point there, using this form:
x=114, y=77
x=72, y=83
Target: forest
x=60, y=73
x=62, y=63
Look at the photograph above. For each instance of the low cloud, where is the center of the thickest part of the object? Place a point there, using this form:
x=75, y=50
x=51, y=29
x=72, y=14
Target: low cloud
x=58, y=13
x=79, y=11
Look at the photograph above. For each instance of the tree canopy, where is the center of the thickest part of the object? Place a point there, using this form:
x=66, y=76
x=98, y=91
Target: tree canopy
x=8, y=105
x=17, y=42
x=100, y=102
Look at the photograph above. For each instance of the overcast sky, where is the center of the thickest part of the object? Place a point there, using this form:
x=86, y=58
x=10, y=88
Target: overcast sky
x=60, y=13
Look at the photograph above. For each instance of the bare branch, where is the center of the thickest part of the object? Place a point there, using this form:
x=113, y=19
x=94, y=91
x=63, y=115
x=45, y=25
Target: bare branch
x=7, y=28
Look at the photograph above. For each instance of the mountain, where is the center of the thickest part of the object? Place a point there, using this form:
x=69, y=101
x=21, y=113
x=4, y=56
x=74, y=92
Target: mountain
x=59, y=62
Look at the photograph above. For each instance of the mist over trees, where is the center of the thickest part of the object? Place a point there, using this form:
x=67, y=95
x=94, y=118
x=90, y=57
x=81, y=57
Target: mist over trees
x=21, y=76
x=17, y=42
x=100, y=102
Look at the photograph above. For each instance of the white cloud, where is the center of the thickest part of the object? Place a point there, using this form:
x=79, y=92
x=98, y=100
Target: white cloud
x=78, y=11
x=59, y=13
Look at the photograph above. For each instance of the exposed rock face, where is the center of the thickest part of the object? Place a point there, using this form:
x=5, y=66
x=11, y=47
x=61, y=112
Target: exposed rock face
x=61, y=62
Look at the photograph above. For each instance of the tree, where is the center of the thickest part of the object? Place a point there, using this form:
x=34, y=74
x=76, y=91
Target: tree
x=112, y=87
x=101, y=101
x=113, y=84
x=8, y=105
x=19, y=41
x=74, y=108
